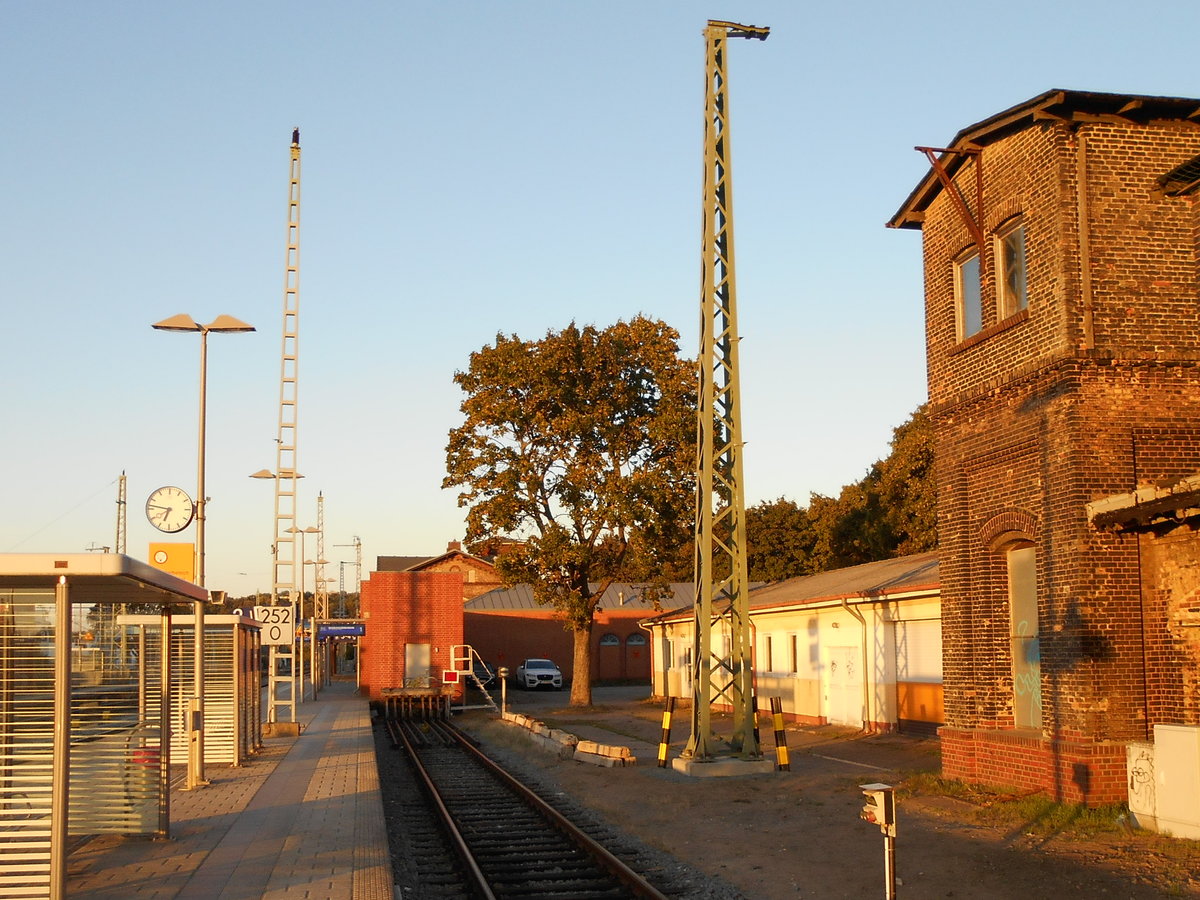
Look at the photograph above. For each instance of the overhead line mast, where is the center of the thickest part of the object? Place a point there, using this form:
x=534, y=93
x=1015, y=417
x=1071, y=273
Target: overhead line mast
x=286, y=569
x=720, y=674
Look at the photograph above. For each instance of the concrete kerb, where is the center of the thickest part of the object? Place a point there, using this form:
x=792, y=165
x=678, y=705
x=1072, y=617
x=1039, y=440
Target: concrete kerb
x=567, y=746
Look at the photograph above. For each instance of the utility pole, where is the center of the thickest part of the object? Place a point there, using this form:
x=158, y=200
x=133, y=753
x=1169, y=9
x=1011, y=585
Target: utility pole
x=722, y=655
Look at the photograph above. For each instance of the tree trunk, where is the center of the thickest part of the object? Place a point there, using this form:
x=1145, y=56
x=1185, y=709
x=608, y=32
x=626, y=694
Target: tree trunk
x=581, y=676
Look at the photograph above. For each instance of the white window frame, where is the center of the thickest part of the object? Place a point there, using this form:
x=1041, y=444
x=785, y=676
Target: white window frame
x=963, y=294
x=1011, y=280
x=1024, y=632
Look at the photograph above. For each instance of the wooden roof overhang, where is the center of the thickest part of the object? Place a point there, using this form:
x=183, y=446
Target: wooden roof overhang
x=1053, y=106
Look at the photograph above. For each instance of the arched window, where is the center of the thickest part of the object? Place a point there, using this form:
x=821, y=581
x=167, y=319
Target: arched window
x=609, y=640
x=636, y=640
x=1024, y=630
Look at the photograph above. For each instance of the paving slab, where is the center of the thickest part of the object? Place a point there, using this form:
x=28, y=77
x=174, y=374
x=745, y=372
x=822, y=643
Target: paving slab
x=303, y=818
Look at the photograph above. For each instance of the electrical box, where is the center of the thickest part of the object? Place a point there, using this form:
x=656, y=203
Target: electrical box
x=879, y=807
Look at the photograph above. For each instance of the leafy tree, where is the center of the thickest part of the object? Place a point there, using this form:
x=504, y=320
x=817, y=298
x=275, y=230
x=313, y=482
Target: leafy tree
x=576, y=454
x=889, y=512
x=779, y=540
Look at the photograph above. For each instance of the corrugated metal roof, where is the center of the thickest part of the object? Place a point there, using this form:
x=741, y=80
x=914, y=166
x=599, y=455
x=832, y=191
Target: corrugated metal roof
x=887, y=576
x=874, y=579
x=618, y=596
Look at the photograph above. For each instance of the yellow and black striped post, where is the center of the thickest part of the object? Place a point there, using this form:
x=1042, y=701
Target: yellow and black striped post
x=781, y=748
x=665, y=741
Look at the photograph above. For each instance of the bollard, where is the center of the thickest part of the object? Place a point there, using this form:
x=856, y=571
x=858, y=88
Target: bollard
x=665, y=741
x=754, y=720
x=781, y=748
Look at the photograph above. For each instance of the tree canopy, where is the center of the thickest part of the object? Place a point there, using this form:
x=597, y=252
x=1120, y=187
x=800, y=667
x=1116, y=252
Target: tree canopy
x=890, y=512
x=576, y=453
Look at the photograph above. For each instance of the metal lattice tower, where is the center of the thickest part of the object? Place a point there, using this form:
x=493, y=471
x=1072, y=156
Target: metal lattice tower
x=320, y=599
x=286, y=569
x=321, y=591
x=121, y=505
x=357, y=545
x=722, y=655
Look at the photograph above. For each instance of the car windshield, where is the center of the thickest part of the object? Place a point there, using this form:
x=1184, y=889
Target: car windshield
x=539, y=664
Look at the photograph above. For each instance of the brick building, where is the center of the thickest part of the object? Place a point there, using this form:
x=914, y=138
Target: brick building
x=506, y=626
x=1064, y=368
x=478, y=574
x=413, y=619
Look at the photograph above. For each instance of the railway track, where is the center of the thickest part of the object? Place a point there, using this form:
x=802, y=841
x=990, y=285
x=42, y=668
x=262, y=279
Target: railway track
x=494, y=837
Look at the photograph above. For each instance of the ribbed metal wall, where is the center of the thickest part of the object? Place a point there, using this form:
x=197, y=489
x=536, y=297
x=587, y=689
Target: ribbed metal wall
x=232, y=676
x=117, y=783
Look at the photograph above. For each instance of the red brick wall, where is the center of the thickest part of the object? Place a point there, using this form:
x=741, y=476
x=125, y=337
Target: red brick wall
x=1078, y=397
x=1171, y=579
x=408, y=608
x=506, y=638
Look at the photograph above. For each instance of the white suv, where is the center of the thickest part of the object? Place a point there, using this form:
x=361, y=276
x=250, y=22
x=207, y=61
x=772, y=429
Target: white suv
x=535, y=673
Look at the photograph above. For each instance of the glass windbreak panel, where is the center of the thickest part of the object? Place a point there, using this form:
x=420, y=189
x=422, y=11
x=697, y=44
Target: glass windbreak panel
x=26, y=736
x=1011, y=250
x=969, y=296
x=116, y=735
x=1025, y=641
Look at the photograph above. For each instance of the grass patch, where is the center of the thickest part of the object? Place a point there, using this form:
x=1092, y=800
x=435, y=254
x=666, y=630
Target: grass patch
x=1036, y=814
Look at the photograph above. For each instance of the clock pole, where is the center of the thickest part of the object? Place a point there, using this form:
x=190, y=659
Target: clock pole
x=222, y=324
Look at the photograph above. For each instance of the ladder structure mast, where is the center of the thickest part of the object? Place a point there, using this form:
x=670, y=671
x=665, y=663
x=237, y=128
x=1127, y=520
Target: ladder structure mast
x=285, y=563
x=722, y=652
x=287, y=570
x=121, y=508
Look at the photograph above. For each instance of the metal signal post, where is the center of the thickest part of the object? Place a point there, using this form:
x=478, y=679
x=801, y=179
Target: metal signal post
x=720, y=673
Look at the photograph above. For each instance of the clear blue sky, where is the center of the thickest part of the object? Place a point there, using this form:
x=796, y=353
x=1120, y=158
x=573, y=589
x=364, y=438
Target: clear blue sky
x=468, y=168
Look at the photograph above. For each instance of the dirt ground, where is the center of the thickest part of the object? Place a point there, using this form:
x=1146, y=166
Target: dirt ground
x=798, y=833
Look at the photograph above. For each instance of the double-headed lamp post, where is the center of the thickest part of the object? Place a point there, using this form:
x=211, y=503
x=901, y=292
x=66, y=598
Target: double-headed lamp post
x=222, y=324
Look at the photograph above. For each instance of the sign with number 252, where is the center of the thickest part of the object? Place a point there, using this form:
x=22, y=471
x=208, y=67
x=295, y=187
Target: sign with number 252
x=277, y=624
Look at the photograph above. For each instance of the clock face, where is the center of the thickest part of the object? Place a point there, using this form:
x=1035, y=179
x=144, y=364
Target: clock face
x=170, y=509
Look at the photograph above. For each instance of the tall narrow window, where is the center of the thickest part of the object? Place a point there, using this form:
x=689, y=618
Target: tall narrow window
x=968, y=295
x=768, y=647
x=1026, y=649
x=1010, y=267
x=795, y=655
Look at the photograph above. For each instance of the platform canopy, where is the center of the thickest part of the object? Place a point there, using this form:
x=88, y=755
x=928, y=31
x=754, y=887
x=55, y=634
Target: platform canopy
x=98, y=577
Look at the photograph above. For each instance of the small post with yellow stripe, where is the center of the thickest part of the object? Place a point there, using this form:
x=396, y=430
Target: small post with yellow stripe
x=781, y=748
x=665, y=741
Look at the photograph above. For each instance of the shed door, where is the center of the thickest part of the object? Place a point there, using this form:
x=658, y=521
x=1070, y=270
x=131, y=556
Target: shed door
x=843, y=686
x=919, y=673
x=416, y=665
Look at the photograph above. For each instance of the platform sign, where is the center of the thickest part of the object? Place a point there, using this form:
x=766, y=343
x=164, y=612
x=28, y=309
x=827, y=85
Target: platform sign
x=174, y=559
x=278, y=626
x=327, y=630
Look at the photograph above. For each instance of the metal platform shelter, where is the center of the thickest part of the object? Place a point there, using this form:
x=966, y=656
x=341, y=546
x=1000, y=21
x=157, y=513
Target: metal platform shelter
x=232, y=682
x=84, y=726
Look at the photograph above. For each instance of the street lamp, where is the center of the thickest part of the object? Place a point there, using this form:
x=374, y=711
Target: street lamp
x=222, y=324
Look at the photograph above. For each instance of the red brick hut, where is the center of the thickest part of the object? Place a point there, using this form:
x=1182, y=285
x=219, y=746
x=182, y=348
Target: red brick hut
x=413, y=620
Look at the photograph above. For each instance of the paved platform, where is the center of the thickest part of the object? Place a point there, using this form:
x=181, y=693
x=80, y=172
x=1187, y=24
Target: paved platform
x=304, y=818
